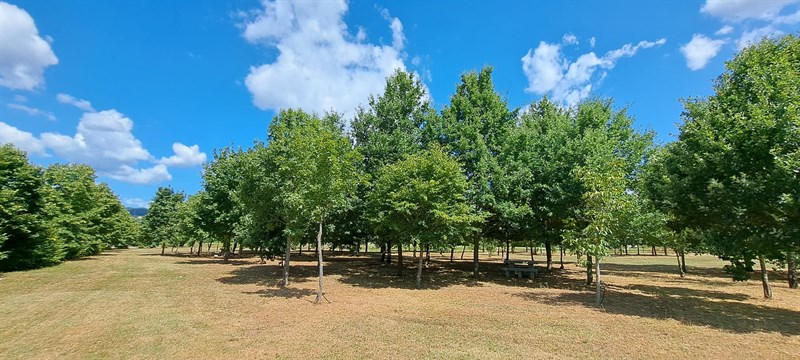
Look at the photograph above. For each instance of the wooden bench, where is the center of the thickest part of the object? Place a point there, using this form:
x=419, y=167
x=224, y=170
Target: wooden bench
x=519, y=268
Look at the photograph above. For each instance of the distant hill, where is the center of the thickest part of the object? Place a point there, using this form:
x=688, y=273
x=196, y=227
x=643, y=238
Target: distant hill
x=137, y=211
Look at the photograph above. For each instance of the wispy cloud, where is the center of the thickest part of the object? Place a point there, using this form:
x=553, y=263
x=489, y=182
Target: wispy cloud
x=567, y=81
x=33, y=111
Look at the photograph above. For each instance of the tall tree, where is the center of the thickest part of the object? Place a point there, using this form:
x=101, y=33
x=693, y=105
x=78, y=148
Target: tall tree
x=389, y=129
x=191, y=222
x=25, y=238
x=160, y=225
x=472, y=129
x=737, y=158
x=422, y=198
x=222, y=204
x=71, y=205
x=316, y=167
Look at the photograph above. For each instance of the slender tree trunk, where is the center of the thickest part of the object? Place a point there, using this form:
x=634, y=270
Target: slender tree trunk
x=683, y=262
x=400, y=259
x=463, y=249
x=508, y=245
x=665, y=251
x=765, y=278
x=548, y=249
x=637, y=250
x=680, y=266
x=419, y=269
x=531, y=252
x=163, y=246
x=427, y=254
x=597, y=293
x=383, y=253
x=226, y=250
x=286, y=261
x=389, y=252
x=320, y=292
x=235, y=244
x=366, y=247
x=414, y=249
x=561, y=259
x=191, y=250
x=791, y=270
x=589, y=270
x=475, y=254
x=199, y=248
x=626, y=249
x=452, y=251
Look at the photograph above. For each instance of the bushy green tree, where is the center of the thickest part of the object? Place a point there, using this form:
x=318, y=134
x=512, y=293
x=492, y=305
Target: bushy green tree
x=315, y=165
x=191, y=223
x=160, y=225
x=422, y=198
x=472, y=129
x=222, y=205
x=736, y=159
x=86, y=216
x=26, y=241
x=392, y=127
x=72, y=208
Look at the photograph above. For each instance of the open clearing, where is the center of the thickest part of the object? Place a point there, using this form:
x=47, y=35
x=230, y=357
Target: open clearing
x=137, y=304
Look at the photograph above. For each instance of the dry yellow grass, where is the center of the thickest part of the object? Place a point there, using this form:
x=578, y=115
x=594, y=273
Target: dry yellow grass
x=137, y=304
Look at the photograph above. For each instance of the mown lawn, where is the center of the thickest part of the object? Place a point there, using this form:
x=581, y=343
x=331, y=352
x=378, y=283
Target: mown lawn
x=138, y=304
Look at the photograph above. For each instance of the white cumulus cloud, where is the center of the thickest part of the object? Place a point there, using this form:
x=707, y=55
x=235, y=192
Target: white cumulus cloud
x=32, y=111
x=739, y=10
x=185, y=156
x=24, y=55
x=155, y=174
x=21, y=139
x=320, y=66
x=78, y=103
x=550, y=72
x=700, y=50
x=569, y=39
x=105, y=141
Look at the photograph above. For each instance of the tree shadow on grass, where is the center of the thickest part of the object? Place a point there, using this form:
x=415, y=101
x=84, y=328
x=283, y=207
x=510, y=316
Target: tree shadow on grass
x=711, y=276
x=214, y=261
x=625, y=269
x=267, y=275
x=714, y=309
x=284, y=292
x=439, y=274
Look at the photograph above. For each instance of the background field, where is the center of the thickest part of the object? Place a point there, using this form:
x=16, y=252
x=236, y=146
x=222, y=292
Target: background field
x=138, y=304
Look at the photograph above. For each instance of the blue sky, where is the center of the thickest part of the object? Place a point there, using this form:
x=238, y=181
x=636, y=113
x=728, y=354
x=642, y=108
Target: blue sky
x=144, y=91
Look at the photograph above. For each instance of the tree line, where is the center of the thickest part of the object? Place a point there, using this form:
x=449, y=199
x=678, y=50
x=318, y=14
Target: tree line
x=404, y=175
x=57, y=213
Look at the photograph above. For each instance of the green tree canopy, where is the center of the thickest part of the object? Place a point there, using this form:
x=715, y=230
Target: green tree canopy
x=472, y=129
x=160, y=225
x=26, y=240
x=736, y=160
x=422, y=198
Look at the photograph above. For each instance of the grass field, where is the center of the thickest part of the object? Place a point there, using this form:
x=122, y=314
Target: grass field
x=138, y=304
